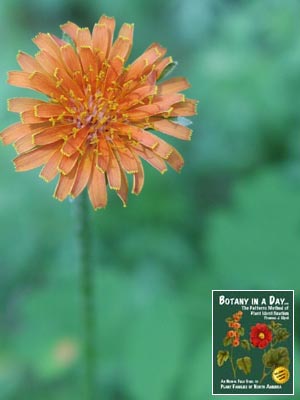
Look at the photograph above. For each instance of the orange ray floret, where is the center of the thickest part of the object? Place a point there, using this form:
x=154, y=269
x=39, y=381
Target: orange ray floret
x=94, y=126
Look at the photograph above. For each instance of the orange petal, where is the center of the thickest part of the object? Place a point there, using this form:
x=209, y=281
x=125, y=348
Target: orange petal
x=113, y=172
x=17, y=131
x=67, y=163
x=162, y=65
x=97, y=188
x=52, y=134
x=153, y=159
x=186, y=108
x=123, y=191
x=127, y=160
x=159, y=105
x=74, y=142
x=47, y=110
x=50, y=169
x=83, y=173
x=88, y=59
x=20, y=79
x=173, y=85
x=103, y=155
x=30, y=117
x=67, y=83
x=35, y=158
x=48, y=61
x=24, y=144
x=163, y=149
x=37, y=81
x=148, y=58
x=14, y=132
x=89, y=64
x=168, y=100
x=140, y=136
x=83, y=38
x=70, y=59
x=21, y=104
x=122, y=46
x=70, y=29
x=138, y=178
x=112, y=74
x=145, y=138
x=29, y=63
x=57, y=40
x=137, y=95
x=172, y=129
x=103, y=34
x=44, y=84
x=102, y=40
x=44, y=41
x=65, y=183
x=176, y=160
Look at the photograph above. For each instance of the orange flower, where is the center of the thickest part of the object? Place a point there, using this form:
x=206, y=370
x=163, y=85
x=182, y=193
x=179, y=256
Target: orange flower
x=231, y=334
x=94, y=127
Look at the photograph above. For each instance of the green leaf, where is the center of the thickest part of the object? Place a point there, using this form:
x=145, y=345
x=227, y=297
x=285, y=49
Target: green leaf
x=241, y=331
x=279, y=333
x=244, y=364
x=276, y=358
x=222, y=357
x=227, y=341
x=245, y=344
x=274, y=325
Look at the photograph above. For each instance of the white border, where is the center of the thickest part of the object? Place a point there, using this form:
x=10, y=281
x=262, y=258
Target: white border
x=212, y=342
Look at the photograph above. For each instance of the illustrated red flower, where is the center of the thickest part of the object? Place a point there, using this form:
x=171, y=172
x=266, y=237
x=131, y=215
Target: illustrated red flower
x=94, y=126
x=260, y=335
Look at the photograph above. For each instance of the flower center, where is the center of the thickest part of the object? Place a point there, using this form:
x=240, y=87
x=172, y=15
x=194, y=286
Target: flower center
x=95, y=112
x=261, y=335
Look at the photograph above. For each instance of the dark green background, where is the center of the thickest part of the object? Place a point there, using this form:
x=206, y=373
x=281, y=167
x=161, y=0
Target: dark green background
x=231, y=219
x=220, y=328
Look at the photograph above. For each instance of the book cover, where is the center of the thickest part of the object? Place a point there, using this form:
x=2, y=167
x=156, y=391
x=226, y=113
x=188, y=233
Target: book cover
x=253, y=342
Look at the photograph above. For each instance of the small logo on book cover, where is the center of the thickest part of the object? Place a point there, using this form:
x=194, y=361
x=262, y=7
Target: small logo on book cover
x=281, y=375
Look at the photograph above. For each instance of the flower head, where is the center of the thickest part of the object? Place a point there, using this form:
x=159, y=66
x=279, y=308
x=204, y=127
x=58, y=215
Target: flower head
x=260, y=336
x=94, y=127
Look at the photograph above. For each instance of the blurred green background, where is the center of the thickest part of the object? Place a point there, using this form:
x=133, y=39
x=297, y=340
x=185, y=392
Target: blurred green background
x=230, y=220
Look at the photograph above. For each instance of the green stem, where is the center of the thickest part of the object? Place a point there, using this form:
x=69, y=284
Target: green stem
x=86, y=281
x=264, y=375
x=232, y=364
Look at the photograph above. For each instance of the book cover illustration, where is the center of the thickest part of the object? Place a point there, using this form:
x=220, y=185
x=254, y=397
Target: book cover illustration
x=253, y=342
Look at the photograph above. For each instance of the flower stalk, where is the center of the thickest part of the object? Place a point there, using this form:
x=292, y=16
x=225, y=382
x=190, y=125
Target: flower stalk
x=87, y=290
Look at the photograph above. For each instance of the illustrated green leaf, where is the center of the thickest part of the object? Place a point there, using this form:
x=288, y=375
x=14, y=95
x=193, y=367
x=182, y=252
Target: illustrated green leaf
x=244, y=364
x=274, y=325
x=222, y=357
x=241, y=331
x=245, y=344
x=228, y=319
x=280, y=334
x=274, y=358
x=227, y=341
